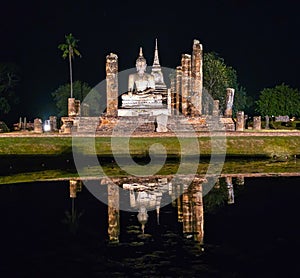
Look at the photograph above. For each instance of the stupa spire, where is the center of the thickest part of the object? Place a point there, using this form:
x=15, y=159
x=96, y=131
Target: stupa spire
x=156, y=71
x=141, y=52
x=156, y=59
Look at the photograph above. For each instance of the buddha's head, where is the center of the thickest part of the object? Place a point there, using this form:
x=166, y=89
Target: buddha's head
x=141, y=64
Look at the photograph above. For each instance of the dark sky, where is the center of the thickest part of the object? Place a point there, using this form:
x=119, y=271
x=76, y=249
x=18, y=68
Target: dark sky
x=260, y=39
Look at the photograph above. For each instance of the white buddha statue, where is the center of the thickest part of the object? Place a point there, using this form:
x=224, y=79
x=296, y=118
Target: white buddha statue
x=141, y=82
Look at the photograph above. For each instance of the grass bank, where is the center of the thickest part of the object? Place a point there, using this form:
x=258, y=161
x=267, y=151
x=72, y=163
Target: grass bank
x=243, y=146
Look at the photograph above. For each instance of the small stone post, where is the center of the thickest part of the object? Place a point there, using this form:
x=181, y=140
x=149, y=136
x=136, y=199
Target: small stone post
x=37, y=125
x=240, y=121
x=257, y=122
x=216, y=109
x=267, y=122
x=112, y=85
x=25, y=123
x=53, y=123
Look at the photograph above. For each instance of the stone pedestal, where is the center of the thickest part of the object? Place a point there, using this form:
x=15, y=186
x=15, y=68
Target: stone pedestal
x=67, y=125
x=162, y=121
x=240, y=121
x=257, y=122
x=37, y=125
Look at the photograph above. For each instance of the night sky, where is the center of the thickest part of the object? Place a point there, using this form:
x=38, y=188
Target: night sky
x=260, y=39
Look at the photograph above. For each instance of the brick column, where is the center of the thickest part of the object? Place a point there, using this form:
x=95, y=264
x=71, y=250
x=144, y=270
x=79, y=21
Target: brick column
x=112, y=85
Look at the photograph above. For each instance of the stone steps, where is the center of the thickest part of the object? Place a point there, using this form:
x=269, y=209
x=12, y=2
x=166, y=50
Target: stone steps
x=87, y=124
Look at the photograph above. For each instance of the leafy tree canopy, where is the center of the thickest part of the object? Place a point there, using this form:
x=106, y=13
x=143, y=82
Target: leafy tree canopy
x=9, y=79
x=82, y=91
x=279, y=101
x=217, y=76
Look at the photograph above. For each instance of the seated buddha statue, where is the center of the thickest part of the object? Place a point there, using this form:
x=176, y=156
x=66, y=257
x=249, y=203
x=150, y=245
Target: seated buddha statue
x=141, y=82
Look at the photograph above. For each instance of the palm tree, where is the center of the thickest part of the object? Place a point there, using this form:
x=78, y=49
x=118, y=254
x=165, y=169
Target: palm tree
x=69, y=49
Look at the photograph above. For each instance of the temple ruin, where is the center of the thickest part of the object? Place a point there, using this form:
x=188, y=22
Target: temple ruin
x=150, y=105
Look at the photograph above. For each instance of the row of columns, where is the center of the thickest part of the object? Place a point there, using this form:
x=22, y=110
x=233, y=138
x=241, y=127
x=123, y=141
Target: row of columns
x=187, y=84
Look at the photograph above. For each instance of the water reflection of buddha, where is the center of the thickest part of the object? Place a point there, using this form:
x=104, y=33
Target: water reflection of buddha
x=141, y=82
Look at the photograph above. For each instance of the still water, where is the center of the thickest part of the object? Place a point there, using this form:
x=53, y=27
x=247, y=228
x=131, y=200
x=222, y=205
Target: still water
x=243, y=227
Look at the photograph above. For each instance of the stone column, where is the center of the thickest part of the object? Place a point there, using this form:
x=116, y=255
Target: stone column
x=169, y=100
x=186, y=78
x=197, y=77
x=216, y=109
x=113, y=212
x=173, y=93
x=178, y=88
x=229, y=102
x=240, y=121
x=112, y=85
x=257, y=122
x=71, y=107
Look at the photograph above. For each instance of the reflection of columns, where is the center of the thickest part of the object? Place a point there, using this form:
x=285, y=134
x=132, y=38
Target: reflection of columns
x=186, y=213
x=186, y=76
x=240, y=180
x=230, y=190
x=112, y=84
x=198, y=213
x=179, y=209
x=113, y=212
x=75, y=186
x=193, y=213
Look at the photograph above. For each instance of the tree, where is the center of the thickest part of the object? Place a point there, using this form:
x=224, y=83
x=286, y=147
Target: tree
x=82, y=91
x=69, y=49
x=217, y=76
x=280, y=100
x=9, y=79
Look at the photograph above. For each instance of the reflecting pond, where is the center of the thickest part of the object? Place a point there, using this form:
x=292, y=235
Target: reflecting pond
x=246, y=224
